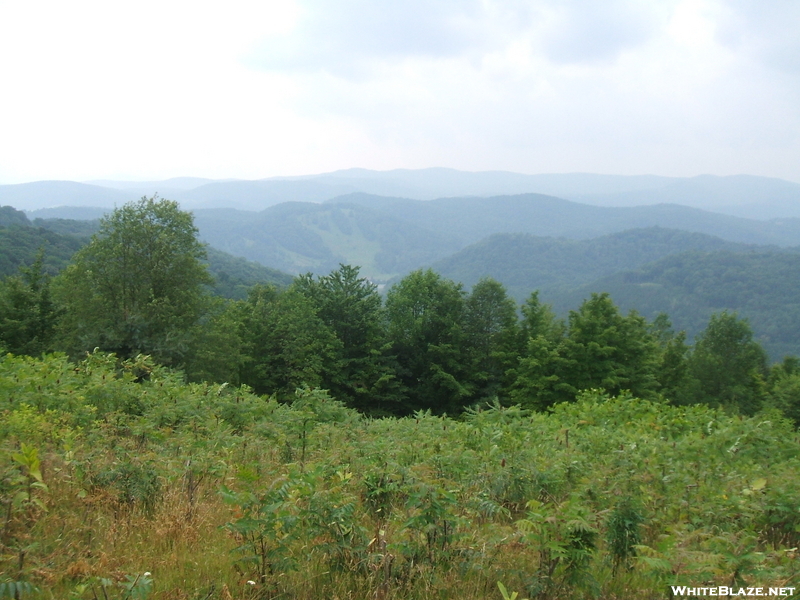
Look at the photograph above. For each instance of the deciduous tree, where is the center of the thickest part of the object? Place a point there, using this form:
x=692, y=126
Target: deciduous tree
x=729, y=364
x=138, y=286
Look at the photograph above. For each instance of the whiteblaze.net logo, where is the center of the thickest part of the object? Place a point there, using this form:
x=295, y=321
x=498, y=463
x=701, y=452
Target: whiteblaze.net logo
x=682, y=590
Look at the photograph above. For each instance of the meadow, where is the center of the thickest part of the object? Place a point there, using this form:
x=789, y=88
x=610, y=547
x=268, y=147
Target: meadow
x=121, y=481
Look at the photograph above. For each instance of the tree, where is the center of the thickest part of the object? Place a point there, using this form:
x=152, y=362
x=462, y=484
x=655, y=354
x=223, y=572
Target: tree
x=602, y=349
x=28, y=316
x=350, y=306
x=675, y=382
x=492, y=335
x=729, y=364
x=287, y=344
x=539, y=319
x=425, y=327
x=538, y=377
x=138, y=286
x=784, y=388
x=610, y=351
x=217, y=349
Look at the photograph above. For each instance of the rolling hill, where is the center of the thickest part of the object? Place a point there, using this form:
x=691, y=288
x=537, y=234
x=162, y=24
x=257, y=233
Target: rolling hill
x=688, y=276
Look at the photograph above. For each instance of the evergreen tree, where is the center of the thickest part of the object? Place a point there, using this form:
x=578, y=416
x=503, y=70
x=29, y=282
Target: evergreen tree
x=492, y=339
x=541, y=375
x=675, y=381
x=539, y=319
x=601, y=349
x=425, y=326
x=28, y=316
x=350, y=306
x=609, y=351
x=287, y=345
x=538, y=378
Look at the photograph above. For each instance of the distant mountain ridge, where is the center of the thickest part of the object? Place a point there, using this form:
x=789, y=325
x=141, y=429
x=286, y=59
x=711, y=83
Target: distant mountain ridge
x=737, y=195
x=470, y=219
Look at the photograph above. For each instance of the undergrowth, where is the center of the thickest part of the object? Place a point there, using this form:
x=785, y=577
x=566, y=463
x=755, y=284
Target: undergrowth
x=119, y=486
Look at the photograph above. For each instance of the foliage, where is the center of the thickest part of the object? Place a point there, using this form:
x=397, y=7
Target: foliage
x=624, y=531
x=288, y=345
x=20, y=245
x=351, y=308
x=729, y=365
x=600, y=349
x=126, y=469
x=28, y=315
x=492, y=337
x=784, y=388
x=425, y=326
x=760, y=285
x=137, y=287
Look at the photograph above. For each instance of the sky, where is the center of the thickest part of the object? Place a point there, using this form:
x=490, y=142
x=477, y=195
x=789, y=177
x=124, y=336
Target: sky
x=253, y=89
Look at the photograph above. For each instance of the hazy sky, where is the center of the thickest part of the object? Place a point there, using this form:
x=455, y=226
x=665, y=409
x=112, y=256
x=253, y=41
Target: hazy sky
x=251, y=89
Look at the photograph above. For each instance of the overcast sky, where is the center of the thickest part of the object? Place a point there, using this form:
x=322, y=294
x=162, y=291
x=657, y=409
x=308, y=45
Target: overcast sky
x=251, y=89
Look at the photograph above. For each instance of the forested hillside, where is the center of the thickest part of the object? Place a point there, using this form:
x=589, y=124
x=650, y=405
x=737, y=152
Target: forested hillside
x=523, y=262
x=298, y=237
x=472, y=219
x=19, y=245
x=761, y=285
x=689, y=276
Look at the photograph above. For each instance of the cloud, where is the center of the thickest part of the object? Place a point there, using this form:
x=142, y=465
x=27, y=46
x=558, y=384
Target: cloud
x=586, y=31
x=766, y=31
x=265, y=87
x=347, y=37
x=353, y=38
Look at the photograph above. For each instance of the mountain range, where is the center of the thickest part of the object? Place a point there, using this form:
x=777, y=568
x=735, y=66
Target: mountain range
x=738, y=195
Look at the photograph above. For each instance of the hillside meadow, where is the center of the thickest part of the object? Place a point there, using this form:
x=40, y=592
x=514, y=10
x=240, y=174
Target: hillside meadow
x=121, y=481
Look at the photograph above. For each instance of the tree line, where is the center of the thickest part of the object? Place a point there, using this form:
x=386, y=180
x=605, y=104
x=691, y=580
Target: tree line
x=140, y=287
